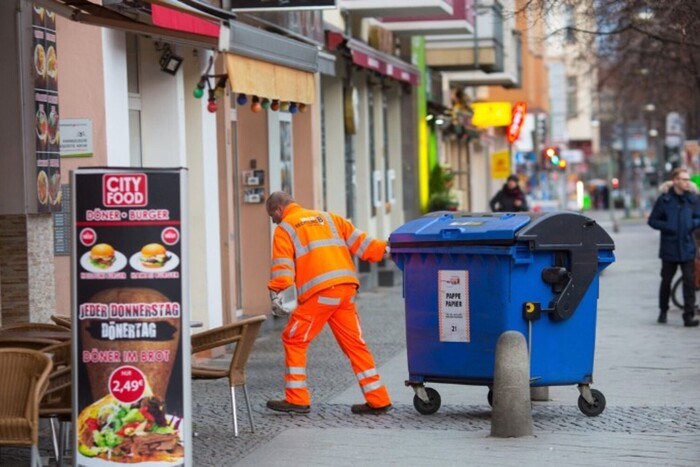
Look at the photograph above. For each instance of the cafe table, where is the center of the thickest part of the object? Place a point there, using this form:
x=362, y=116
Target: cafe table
x=56, y=335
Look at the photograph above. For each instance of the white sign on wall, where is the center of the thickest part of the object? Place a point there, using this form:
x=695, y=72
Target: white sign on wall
x=453, y=308
x=76, y=137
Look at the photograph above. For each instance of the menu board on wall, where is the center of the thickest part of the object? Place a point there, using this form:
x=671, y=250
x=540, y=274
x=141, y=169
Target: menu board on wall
x=131, y=321
x=48, y=143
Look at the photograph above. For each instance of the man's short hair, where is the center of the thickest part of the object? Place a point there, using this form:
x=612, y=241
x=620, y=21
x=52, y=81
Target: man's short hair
x=676, y=172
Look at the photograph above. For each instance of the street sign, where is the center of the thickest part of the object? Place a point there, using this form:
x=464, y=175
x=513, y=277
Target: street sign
x=500, y=164
x=516, y=121
x=674, y=129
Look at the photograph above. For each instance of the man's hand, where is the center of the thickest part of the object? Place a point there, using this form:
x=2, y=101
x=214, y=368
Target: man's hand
x=278, y=308
x=387, y=253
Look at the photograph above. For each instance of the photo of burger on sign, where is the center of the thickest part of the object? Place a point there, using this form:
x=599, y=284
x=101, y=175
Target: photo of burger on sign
x=102, y=257
x=154, y=257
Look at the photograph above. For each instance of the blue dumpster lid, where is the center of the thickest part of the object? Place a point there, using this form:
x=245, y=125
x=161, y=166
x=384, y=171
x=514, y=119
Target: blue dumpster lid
x=449, y=227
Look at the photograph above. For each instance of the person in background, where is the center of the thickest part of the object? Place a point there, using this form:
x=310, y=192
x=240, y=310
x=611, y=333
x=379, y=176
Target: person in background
x=510, y=198
x=313, y=250
x=676, y=214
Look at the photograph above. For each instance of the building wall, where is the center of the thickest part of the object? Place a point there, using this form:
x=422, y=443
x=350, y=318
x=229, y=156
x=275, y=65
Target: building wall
x=535, y=85
x=82, y=93
x=334, y=126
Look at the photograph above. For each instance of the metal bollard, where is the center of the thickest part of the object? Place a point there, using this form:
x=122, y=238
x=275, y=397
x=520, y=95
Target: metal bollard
x=511, y=415
x=539, y=394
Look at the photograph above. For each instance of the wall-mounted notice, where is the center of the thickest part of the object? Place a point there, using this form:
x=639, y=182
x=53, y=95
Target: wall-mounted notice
x=453, y=308
x=76, y=137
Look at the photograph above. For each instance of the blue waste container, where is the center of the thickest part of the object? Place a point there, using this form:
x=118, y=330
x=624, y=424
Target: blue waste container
x=470, y=277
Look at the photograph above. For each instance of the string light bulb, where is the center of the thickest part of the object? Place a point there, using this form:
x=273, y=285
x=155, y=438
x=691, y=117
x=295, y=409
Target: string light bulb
x=265, y=103
x=293, y=108
x=221, y=86
x=255, y=107
x=241, y=99
x=275, y=105
x=303, y=108
x=211, y=106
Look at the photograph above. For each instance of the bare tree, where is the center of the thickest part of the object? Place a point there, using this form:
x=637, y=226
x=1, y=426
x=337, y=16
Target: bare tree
x=643, y=50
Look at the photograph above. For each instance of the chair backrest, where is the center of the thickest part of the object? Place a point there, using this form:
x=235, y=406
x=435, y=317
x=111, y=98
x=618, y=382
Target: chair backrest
x=63, y=321
x=58, y=398
x=33, y=343
x=24, y=376
x=243, y=333
x=59, y=353
x=29, y=326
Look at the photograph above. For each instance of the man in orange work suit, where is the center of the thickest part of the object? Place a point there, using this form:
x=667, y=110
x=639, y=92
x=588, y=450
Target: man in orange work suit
x=313, y=250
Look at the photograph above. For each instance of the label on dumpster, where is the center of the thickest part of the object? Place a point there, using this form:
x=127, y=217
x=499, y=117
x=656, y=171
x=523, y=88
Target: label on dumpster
x=453, y=308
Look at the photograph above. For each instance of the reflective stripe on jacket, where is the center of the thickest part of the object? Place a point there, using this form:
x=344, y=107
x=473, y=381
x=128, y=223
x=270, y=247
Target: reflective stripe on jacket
x=313, y=249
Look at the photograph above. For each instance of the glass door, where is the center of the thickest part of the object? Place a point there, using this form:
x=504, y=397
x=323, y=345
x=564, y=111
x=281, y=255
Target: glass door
x=281, y=163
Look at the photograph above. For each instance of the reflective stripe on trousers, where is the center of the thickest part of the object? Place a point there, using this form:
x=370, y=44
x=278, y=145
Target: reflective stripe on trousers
x=336, y=307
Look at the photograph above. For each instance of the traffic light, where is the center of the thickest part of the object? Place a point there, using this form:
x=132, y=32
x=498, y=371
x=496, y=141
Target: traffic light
x=553, y=159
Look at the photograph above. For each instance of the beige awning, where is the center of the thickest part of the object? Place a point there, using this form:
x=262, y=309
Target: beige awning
x=264, y=79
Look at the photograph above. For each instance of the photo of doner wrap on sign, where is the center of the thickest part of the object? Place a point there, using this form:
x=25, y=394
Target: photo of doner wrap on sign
x=130, y=337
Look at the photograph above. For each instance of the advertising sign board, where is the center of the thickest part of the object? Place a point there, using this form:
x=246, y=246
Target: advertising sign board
x=259, y=5
x=131, y=378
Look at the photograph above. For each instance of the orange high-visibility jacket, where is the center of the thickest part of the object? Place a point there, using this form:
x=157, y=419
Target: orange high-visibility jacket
x=312, y=249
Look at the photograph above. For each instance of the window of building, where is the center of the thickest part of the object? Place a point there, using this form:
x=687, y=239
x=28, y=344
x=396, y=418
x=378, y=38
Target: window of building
x=134, y=90
x=372, y=149
x=571, y=97
x=286, y=167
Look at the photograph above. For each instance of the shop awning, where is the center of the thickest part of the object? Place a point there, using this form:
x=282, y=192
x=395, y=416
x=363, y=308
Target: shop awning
x=264, y=79
x=368, y=57
x=265, y=64
x=86, y=12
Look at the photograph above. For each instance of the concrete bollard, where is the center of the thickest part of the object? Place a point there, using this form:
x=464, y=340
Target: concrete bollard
x=539, y=394
x=511, y=415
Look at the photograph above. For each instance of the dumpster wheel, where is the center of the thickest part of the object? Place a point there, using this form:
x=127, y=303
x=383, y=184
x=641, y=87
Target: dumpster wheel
x=429, y=407
x=596, y=407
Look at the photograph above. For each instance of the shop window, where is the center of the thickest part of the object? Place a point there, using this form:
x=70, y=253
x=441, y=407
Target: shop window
x=389, y=174
x=134, y=90
x=373, y=188
x=571, y=97
x=286, y=167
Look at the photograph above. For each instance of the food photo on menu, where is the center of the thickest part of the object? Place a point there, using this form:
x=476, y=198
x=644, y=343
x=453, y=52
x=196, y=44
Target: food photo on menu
x=129, y=413
x=129, y=433
x=42, y=126
x=154, y=257
x=42, y=187
x=102, y=257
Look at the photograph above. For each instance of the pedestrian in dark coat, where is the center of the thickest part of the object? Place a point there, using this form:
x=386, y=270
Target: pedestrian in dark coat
x=510, y=198
x=676, y=214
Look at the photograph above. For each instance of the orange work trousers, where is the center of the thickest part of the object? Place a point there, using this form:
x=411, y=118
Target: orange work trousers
x=335, y=306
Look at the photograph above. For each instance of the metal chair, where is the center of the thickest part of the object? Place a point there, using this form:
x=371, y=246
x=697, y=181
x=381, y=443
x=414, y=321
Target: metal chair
x=241, y=333
x=24, y=378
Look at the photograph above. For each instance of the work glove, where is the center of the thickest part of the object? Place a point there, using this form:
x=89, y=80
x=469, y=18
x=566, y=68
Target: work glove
x=387, y=253
x=278, y=308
